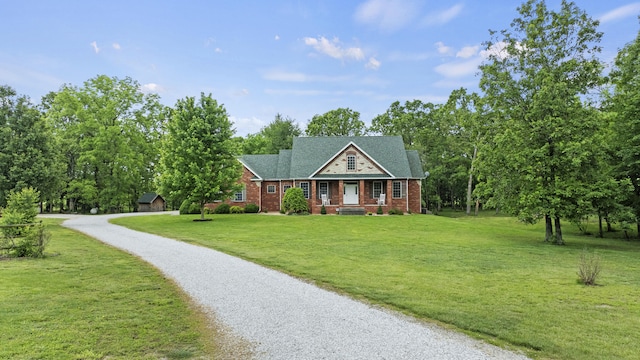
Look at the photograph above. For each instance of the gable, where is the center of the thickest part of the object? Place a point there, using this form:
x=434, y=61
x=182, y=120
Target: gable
x=363, y=164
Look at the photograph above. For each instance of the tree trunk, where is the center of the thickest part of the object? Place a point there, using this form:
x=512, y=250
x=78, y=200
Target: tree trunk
x=638, y=227
x=477, y=206
x=600, y=224
x=559, y=240
x=202, y=211
x=548, y=236
x=470, y=183
x=609, y=227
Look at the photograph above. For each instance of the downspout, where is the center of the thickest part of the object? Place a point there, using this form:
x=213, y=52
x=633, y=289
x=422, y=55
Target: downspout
x=406, y=195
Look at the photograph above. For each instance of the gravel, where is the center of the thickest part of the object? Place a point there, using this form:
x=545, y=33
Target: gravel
x=281, y=316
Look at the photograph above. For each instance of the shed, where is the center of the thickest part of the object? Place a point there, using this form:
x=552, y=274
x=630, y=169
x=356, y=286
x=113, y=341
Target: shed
x=151, y=202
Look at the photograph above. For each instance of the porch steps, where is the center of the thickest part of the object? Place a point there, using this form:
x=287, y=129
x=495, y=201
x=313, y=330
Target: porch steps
x=352, y=211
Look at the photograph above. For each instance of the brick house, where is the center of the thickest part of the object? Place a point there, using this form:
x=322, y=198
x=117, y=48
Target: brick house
x=344, y=171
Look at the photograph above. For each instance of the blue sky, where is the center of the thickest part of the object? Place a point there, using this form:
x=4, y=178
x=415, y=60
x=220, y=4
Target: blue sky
x=259, y=58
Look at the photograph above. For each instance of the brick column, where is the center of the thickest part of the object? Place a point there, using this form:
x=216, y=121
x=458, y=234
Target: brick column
x=340, y=192
x=361, y=193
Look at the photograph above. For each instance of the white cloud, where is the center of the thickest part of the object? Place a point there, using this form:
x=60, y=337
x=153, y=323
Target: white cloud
x=444, y=16
x=218, y=50
x=499, y=50
x=621, y=12
x=277, y=37
x=116, y=46
x=373, y=64
x=285, y=76
x=151, y=88
x=442, y=48
x=95, y=47
x=459, y=69
x=388, y=15
x=247, y=125
x=241, y=92
x=467, y=51
x=333, y=49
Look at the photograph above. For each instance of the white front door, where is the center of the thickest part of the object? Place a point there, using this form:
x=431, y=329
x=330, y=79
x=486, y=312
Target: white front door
x=350, y=194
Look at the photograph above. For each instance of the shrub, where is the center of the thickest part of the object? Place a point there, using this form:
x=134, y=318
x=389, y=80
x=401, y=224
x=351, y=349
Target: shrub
x=589, y=267
x=20, y=237
x=252, y=209
x=294, y=201
x=379, y=212
x=395, y=212
x=323, y=210
x=222, y=209
x=236, y=210
x=188, y=207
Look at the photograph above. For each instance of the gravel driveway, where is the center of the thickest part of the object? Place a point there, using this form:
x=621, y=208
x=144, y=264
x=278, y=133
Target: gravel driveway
x=283, y=317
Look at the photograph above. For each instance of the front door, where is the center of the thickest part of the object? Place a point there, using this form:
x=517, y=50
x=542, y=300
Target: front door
x=350, y=194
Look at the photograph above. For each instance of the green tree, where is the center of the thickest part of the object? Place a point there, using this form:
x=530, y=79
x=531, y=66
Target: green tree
x=535, y=81
x=27, y=152
x=625, y=106
x=108, y=131
x=338, y=122
x=279, y=134
x=198, y=160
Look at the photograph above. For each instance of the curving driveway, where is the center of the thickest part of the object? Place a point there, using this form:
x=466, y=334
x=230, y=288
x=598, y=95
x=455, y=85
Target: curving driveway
x=283, y=317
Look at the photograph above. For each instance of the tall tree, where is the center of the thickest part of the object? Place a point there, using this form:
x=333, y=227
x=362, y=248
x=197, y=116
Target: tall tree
x=280, y=133
x=109, y=131
x=338, y=122
x=198, y=161
x=625, y=104
x=535, y=79
x=27, y=152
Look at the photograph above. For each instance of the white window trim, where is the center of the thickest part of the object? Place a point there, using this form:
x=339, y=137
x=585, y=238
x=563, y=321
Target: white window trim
x=269, y=187
x=307, y=195
x=393, y=189
x=355, y=162
x=243, y=194
x=373, y=190
x=320, y=189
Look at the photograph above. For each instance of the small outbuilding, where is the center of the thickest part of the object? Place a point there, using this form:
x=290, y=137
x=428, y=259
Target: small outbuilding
x=151, y=202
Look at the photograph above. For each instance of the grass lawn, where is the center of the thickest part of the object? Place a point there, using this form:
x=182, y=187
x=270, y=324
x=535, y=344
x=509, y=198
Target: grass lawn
x=90, y=301
x=490, y=277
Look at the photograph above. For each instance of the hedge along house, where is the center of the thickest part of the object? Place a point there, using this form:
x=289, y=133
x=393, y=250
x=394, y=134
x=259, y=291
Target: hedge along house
x=343, y=172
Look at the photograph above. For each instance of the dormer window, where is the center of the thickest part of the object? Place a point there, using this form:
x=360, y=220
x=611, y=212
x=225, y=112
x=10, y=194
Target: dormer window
x=351, y=162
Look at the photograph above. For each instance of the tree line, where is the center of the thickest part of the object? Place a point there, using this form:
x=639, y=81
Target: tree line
x=552, y=134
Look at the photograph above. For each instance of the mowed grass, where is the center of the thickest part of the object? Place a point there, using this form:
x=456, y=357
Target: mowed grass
x=490, y=277
x=91, y=301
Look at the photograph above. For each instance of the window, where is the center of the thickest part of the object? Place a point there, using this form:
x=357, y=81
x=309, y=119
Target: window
x=351, y=162
x=323, y=189
x=397, y=189
x=240, y=195
x=285, y=188
x=305, y=189
x=377, y=189
x=271, y=189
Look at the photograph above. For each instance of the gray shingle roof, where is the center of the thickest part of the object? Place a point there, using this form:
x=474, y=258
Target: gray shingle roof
x=309, y=154
x=148, y=198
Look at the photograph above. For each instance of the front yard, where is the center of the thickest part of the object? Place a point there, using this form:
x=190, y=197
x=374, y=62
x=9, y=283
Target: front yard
x=490, y=277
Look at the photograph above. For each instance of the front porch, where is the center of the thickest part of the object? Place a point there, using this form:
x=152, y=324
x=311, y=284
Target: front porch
x=365, y=194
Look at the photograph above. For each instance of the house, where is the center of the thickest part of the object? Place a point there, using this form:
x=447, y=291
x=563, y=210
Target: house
x=151, y=202
x=343, y=172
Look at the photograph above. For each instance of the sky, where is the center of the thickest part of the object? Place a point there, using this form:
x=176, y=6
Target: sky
x=297, y=58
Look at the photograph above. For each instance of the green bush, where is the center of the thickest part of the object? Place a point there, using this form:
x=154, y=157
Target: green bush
x=188, y=207
x=395, y=212
x=236, y=210
x=323, y=210
x=222, y=209
x=20, y=236
x=294, y=201
x=379, y=212
x=251, y=209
